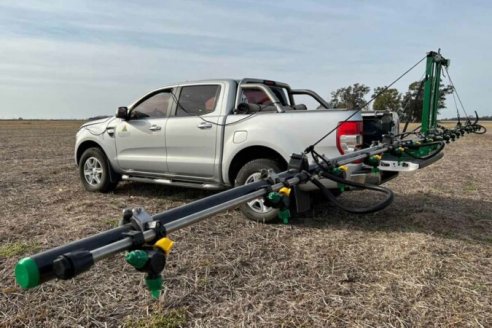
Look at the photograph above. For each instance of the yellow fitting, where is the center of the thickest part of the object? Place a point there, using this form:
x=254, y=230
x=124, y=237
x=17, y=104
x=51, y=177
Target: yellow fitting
x=401, y=149
x=343, y=168
x=417, y=142
x=284, y=191
x=377, y=157
x=165, y=244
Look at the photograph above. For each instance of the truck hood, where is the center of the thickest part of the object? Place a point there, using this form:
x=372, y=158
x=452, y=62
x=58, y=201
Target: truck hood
x=98, y=125
x=97, y=122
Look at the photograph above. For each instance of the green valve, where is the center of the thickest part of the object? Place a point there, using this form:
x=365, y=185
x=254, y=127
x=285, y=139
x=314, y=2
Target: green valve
x=274, y=197
x=373, y=160
x=27, y=273
x=284, y=215
x=337, y=171
x=341, y=187
x=137, y=258
x=155, y=286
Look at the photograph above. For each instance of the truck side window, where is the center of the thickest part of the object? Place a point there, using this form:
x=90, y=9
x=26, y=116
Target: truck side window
x=255, y=96
x=280, y=93
x=155, y=106
x=259, y=97
x=197, y=100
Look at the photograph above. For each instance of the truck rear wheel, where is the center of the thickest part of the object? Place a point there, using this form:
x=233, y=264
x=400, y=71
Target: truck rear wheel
x=250, y=172
x=94, y=170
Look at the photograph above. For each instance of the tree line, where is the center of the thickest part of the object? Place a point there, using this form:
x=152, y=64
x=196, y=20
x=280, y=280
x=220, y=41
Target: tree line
x=408, y=104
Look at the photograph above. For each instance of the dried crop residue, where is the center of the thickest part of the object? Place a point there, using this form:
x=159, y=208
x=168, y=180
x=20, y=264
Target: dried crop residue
x=424, y=261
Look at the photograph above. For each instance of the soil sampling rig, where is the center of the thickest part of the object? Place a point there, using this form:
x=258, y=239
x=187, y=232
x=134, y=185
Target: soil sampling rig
x=145, y=236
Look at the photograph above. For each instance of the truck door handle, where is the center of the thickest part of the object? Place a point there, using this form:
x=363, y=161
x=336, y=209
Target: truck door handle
x=154, y=127
x=204, y=125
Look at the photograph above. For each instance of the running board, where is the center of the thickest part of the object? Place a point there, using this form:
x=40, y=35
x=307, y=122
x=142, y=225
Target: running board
x=168, y=182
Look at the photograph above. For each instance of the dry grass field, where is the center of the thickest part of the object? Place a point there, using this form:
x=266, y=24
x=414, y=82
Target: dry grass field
x=425, y=261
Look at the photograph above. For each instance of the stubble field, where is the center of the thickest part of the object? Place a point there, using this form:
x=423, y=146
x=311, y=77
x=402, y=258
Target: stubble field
x=424, y=261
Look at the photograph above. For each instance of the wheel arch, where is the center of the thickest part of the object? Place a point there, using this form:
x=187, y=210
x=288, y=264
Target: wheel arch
x=86, y=145
x=251, y=153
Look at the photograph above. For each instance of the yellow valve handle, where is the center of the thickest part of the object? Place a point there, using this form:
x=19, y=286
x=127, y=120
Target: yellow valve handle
x=284, y=191
x=377, y=157
x=165, y=244
x=343, y=168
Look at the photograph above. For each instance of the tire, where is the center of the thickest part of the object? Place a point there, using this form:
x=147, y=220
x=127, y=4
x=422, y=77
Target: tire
x=255, y=210
x=95, y=171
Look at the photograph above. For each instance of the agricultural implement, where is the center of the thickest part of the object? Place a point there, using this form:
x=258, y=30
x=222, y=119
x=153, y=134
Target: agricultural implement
x=145, y=236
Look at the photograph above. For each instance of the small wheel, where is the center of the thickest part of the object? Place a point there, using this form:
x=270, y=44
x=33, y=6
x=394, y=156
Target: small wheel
x=94, y=171
x=255, y=209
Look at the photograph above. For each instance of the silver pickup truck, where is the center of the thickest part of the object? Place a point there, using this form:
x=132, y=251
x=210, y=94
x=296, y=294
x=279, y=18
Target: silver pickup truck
x=215, y=134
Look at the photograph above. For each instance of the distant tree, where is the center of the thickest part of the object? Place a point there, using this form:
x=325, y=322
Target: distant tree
x=350, y=97
x=20, y=119
x=412, y=103
x=388, y=100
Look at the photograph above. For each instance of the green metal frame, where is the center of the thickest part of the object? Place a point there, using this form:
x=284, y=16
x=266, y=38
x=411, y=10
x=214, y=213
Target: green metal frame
x=434, y=65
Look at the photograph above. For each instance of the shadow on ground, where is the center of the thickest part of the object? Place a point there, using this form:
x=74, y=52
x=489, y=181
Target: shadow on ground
x=449, y=217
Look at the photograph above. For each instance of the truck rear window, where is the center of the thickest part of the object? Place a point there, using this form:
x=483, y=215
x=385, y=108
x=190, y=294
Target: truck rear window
x=197, y=100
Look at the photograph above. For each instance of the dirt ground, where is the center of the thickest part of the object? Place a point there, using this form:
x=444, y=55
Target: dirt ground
x=424, y=261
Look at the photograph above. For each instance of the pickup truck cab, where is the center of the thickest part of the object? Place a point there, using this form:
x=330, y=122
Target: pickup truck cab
x=215, y=134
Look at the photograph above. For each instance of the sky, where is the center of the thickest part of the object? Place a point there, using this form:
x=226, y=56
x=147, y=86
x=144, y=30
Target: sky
x=77, y=59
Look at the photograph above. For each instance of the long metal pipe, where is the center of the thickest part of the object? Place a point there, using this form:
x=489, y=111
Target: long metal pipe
x=149, y=235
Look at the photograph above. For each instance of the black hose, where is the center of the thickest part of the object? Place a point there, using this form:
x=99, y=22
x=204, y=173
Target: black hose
x=481, y=129
x=438, y=150
x=364, y=210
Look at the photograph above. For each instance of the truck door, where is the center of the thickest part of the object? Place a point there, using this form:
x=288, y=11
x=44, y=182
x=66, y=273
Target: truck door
x=192, y=132
x=140, y=141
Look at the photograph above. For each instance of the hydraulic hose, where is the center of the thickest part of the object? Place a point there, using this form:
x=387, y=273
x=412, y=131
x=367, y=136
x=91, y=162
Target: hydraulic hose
x=481, y=129
x=438, y=150
x=364, y=210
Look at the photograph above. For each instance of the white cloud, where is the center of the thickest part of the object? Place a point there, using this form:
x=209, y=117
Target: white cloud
x=79, y=59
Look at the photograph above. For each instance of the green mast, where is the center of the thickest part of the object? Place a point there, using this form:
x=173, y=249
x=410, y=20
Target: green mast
x=431, y=90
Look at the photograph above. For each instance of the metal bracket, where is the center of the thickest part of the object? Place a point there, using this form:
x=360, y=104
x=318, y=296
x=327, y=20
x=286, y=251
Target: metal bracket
x=397, y=166
x=141, y=218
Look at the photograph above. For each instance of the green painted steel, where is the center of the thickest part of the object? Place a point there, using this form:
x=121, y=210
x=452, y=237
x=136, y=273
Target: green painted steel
x=429, y=77
x=432, y=94
x=435, y=99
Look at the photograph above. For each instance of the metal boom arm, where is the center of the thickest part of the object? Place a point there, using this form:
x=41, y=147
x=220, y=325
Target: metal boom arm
x=432, y=94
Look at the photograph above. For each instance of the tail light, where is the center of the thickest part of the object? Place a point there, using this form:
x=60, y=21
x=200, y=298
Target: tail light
x=349, y=136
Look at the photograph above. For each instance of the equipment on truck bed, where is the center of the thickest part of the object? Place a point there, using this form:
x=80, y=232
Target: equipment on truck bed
x=145, y=236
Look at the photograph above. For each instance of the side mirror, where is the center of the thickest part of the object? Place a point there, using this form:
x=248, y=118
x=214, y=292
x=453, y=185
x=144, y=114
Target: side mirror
x=122, y=113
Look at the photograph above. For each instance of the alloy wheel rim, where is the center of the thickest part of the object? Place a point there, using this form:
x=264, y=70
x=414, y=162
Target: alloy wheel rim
x=257, y=204
x=93, y=171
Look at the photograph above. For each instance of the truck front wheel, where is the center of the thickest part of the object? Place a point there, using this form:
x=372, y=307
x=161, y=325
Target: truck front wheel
x=250, y=172
x=95, y=172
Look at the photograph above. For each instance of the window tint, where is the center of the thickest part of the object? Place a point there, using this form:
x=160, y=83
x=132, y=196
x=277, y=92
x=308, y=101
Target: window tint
x=154, y=107
x=197, y=100
x=255, y=96
x=281, y=94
